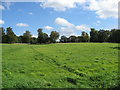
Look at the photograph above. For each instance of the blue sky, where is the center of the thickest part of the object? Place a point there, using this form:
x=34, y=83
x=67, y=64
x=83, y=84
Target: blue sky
x=68, y=19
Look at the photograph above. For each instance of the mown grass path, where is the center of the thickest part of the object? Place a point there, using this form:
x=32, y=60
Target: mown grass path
x=76, y=65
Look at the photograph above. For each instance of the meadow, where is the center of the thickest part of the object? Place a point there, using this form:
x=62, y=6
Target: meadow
x=71, y=65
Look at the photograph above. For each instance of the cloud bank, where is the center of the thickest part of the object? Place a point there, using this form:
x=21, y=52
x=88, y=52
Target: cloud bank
x=103, y=8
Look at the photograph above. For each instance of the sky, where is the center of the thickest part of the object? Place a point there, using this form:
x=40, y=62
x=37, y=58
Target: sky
x=68, y=17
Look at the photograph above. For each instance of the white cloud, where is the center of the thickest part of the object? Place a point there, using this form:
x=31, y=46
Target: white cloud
x=2, y=22
x=61, y=5
x=68, y=28
x=67, y=31
x=2, y=7
x=30, y=13
x=34, y=36
x=104, y=8
x=48, y=27
x=83, y=28
x=63, y=22
x=22, y=25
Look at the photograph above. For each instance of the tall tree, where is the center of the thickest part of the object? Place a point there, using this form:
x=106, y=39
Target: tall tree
x=11, y=37
x=2, y=35
x=40, y=36
x=26, y=37
x=54, y=36
x=93, y=35
x=45, y=38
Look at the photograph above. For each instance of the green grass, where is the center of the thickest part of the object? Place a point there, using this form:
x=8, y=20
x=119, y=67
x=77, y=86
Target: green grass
x=73, y=65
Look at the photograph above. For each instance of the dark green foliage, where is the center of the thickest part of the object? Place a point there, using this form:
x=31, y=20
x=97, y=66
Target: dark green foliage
x=73, y=38
x=68, y=40
x=20, y=39
x=26, y=38
x=115, y=36
x=33, y=40
x=43, y=38
x=85, y=37
x=3, y=36
x=63, y=39
x=54, y=36
x=79, y=38
x=40, y=36
x=11, y=37
x=93, y=35
x=105, y=35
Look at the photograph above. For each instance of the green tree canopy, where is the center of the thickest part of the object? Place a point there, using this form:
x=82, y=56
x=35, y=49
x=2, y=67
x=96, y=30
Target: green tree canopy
x=11, y=37
x=54, y=36
x=26, y=37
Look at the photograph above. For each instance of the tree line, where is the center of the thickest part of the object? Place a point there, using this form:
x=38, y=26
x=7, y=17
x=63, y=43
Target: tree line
x=8, y=36
x=95, y=36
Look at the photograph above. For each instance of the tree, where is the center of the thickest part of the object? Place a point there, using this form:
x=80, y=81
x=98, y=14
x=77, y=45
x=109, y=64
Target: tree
x=2, y=35
x=40, y=36
x=26, y=37
x=33, y=40
x=68, y=40
x=93, y=35
x=115, y=36
x=107, y=32
x=103, y=36
x=63, y=39
x=85, y=37
x=20, y=39
x=45, y=38
x=11, y=37
x=79, y=39
x=73, y=38
x=54, y=36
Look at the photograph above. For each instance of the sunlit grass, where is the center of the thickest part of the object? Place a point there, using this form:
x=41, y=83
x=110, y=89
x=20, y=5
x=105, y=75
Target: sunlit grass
x=78, y=65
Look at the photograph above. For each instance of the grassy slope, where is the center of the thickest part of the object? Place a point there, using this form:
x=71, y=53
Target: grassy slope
x=60, y=65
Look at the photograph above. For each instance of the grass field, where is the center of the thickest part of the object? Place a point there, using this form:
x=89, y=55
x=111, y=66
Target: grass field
x=73, y=65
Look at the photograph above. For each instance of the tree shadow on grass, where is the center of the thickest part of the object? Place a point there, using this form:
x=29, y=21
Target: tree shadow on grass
x=115, y=48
